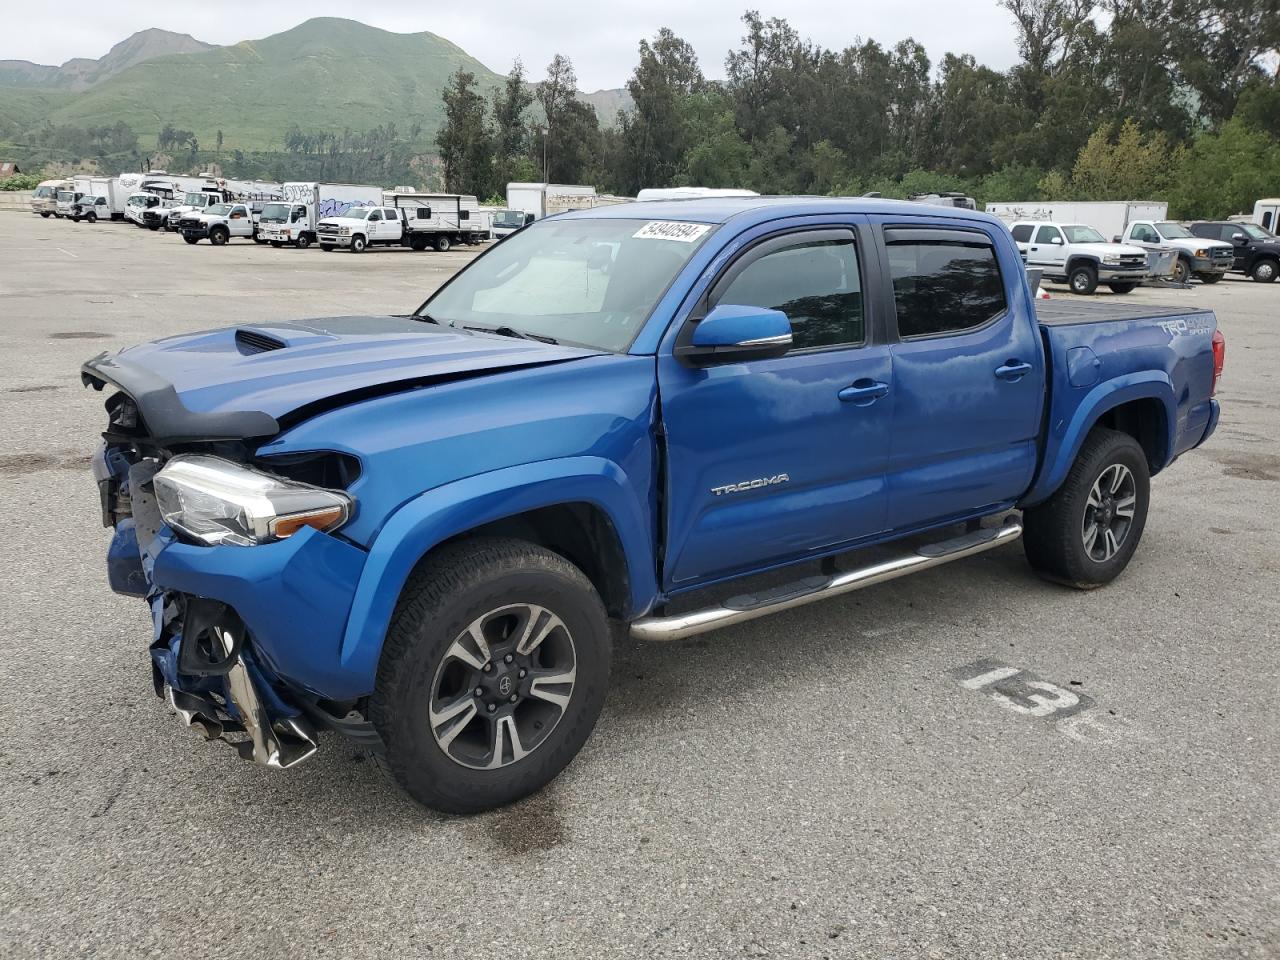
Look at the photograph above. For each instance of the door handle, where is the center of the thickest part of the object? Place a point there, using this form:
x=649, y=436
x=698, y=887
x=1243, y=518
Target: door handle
x=1013, y=370
x=863, y=391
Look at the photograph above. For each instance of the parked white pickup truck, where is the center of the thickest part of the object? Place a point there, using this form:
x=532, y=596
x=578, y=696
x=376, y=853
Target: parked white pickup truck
x=414, y=220
x=219, y=223
x=1206, y=260
x=1080, y=256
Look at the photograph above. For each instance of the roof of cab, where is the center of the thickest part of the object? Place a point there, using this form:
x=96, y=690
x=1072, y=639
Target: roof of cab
x=724, y=209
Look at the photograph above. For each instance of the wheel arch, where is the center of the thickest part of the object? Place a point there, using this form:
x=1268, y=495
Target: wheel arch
x=1081, y=259
x=579, y=507
x=1140, y=404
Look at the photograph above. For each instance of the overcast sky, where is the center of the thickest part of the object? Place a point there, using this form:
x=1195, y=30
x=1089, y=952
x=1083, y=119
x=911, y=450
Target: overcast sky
x=600, y=37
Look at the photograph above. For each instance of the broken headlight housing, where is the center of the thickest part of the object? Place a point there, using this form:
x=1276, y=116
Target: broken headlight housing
x=216, y=501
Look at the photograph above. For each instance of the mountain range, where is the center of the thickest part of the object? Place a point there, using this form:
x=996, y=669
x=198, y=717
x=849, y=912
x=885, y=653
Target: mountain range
x=325, y=74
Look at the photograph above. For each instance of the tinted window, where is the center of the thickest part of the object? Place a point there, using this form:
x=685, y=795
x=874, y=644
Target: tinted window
x=1022, y=233
x=424, y=213
x=1046, y=234
x=815, y=283
x=1266, y=220
x=464, y=214
x=1144, y=234
x=944, y=287
x=374, y=215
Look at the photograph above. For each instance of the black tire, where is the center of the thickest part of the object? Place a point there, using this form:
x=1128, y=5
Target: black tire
x=358, y=243
x=153, y=226
x=303, y=241
x=1122, y=287
x=190, y=239
x=442, y=244
x=218, y=236
x=277, y=244
x=461, y=585
x=1210, y=277
x=326, y=247
x=45, y=214
x=1083, y=279
x=1264, y=271
x=1054, y=535
x=1181, y=271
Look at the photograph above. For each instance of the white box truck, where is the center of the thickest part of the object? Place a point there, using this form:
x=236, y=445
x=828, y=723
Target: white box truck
x=113, y=191
x=295, y=219
x=1109, y=217
x=546, y=199
x=1266, y=214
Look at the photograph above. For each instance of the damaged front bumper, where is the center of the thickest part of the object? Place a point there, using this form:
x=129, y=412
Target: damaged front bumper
x=247, y=641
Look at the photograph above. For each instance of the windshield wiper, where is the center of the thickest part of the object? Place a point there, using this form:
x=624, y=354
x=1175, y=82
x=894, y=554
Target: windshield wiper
x=426, y=318
x=505, y=331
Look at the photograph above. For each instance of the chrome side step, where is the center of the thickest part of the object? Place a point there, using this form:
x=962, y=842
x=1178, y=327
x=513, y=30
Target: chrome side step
x=776, y=599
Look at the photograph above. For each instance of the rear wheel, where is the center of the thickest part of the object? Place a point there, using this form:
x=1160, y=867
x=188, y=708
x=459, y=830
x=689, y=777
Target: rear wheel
x=1083, y=279
x=493, y=674
x=442, y=243
x=1264, y=271
x=1122, y=287
x=1086, y=533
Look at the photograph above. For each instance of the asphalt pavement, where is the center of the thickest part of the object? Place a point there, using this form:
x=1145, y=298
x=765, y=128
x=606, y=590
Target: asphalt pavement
x=843, y=780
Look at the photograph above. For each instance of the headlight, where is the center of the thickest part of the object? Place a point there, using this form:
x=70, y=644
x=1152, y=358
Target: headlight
x=344, y=231
x=217, y=501
x=1202, y=253
x=1111, y=258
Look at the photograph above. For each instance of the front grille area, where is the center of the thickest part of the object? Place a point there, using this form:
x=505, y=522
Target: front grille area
x=188, y=224
x=1223, y=253
x=1133, y=260
x=327, y=228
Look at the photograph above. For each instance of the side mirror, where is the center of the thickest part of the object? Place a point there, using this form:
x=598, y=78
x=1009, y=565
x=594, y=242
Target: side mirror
x=1116, y=239
x=1057, y=241
x=732, y=333
x=1237, y=237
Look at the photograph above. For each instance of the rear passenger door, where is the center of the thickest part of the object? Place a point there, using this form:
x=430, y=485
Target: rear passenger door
x=968, y=374
x=391, y=225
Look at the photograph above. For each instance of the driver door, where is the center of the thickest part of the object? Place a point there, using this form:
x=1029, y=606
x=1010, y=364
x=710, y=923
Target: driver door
x=1048, y=251
x=778, y=459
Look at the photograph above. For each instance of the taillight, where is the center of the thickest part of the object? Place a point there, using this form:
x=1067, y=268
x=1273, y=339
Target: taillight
x=1219, y=358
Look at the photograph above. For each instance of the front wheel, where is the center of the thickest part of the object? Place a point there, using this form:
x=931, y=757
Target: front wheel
x=493, y=674
x=1086, y=533
x=1181, y=271
x=1122, y=287
x=1264, y=271
x=45, y=214
x=302, y=242
x=277, y=244
x=218, y=237
x=1210, y=277
x=358, y=243
x=1083, y=279
x=190, y=239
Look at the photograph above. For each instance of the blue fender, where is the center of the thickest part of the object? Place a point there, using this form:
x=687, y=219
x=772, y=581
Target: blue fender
x=1067, y=433
x=428, y=520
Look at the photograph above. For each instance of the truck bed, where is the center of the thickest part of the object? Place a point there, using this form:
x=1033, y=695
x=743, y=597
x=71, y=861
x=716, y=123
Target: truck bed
x=1056, y=313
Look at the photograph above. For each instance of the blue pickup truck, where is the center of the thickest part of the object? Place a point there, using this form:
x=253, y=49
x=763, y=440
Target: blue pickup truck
x=423, y=531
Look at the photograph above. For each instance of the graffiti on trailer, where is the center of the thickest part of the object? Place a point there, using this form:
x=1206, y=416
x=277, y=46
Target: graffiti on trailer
x=333, y=207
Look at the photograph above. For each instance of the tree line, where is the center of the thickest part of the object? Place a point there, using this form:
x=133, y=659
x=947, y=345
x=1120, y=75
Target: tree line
x=1110, y=99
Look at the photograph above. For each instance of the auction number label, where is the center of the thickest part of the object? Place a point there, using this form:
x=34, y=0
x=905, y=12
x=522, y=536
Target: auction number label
x=671, y=230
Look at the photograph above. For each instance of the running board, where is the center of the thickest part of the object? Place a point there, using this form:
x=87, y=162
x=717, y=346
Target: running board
x=746, y=607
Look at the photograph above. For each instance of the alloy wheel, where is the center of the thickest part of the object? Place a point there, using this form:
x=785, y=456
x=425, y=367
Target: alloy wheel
x=1108, y=513
x=502, y=686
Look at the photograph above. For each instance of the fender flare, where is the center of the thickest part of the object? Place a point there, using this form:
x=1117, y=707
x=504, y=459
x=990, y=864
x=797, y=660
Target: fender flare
x=427, y=520
x=1070, y=435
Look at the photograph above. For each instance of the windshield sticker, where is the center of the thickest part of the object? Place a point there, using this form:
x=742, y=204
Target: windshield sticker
x=670, y=230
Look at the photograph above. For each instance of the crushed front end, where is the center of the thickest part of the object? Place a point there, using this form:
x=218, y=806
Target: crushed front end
x=248, y=584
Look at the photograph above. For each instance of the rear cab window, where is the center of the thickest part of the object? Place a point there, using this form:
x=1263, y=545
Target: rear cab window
x=944, y=281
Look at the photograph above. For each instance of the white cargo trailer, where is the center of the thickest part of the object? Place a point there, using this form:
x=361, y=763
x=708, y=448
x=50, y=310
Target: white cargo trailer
x=1266, y=214
x=1109, y=217
x=110, y=188
x=546, y=199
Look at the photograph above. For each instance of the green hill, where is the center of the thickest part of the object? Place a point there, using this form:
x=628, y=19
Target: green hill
x=325, y=74
x=80, y=73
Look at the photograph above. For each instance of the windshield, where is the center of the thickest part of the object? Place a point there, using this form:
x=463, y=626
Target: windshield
x=1256, y=232
x=219, y=209
x=356, y=213
x=508, y=218
x=195, y=199
x=1174, y=231
x=66, y=195
x=587, y=282
x=275, y=213
x=44, y=192
x=1078, y=233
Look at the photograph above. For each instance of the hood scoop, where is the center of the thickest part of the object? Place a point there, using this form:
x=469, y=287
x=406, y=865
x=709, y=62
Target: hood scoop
x=250, y=342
